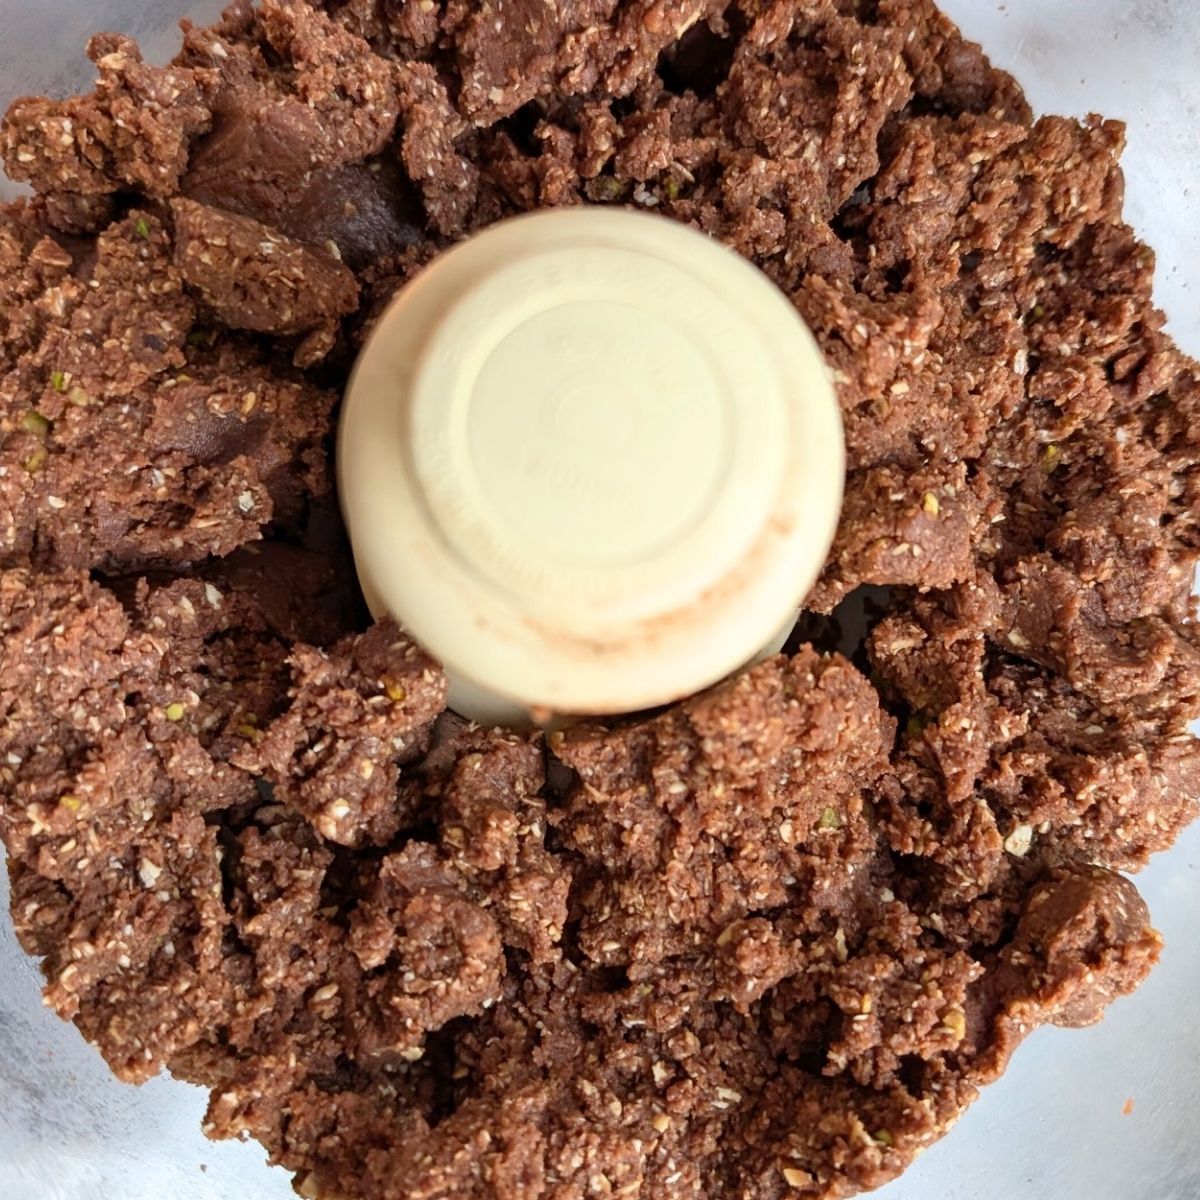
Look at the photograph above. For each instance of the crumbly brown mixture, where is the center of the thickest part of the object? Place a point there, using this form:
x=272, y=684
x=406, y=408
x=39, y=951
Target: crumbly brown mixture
x=765, y=944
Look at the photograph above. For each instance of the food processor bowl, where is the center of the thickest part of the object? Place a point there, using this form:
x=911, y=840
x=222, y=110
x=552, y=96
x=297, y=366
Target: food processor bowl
x=1098, y=1114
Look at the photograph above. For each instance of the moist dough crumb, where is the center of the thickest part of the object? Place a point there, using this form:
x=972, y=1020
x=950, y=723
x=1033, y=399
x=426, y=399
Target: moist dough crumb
x=766, y=943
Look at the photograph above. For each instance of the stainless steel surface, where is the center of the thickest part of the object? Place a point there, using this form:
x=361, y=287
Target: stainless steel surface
x=1056, y=1124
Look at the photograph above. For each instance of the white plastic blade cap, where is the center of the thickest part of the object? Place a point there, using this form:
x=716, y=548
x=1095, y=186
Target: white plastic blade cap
x=592, y=460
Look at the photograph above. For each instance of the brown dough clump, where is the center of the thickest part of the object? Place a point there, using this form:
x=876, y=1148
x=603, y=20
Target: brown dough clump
x=766, y=943
x=252, y=278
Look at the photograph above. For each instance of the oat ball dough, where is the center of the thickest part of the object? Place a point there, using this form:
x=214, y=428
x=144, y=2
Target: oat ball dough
x=766, y=943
